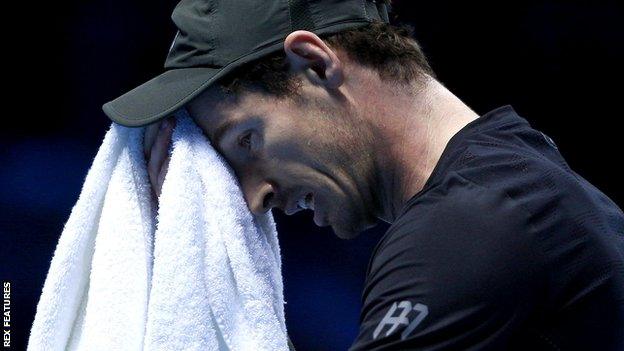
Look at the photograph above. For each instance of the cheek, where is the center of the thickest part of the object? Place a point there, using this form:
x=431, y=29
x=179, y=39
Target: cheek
x=298, y=165
x=235, y=159
x=315, y=156
x=285, y=151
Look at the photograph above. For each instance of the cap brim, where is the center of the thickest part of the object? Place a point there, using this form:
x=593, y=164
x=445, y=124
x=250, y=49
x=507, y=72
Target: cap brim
x=160, y=96
x=164, y=94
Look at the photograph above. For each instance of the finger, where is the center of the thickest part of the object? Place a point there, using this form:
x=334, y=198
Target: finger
x=162, y=175
x=150, y=135
x=153, y=178
x=154, y=196
x=159, y=152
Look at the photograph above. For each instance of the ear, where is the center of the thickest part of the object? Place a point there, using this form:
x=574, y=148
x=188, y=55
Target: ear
x=307, y=53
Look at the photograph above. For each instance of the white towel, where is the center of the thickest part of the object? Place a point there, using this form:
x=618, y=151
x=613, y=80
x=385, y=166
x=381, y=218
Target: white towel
x=199, y=273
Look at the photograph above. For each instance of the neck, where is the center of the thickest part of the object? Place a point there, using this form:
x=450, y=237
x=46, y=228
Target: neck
x=414, y=126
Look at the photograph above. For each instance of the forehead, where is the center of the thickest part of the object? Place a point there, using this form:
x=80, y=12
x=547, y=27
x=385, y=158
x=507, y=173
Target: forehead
x=209, y=102
x=215, y=111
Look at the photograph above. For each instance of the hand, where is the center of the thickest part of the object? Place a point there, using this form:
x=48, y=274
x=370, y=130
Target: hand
x=155, y=147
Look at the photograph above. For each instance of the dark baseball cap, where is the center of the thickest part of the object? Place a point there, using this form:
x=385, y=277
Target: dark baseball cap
x=214, y=37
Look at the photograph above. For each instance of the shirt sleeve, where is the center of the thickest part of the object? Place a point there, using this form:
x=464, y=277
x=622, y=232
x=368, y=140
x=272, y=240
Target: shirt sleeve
x=461, y=274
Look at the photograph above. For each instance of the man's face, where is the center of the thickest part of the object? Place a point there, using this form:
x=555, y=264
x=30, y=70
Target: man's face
x=294, y=153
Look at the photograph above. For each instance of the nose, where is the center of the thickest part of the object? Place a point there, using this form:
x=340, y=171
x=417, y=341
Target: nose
x=260, y=198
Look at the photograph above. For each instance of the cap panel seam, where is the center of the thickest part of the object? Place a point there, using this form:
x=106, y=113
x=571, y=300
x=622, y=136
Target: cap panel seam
x=363, y=2
x=289, y=15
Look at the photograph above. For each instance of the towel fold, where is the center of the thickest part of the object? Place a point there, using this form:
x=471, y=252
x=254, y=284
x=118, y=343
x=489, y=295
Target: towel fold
x=198, y=272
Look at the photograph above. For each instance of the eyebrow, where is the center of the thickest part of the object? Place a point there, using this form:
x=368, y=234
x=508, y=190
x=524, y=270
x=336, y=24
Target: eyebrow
x=222, y=130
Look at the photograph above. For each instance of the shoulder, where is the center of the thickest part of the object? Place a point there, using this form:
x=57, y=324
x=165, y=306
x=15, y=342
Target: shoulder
x=492, y=198
x=517, y=170
x=454, y=257
x=458, y=215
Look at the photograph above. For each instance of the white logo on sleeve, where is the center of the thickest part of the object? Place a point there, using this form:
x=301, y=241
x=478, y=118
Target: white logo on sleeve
x=402, y=319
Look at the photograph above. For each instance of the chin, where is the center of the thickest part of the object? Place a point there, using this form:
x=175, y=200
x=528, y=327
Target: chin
x=345, y=234
x=349, y=230
x=350, y=224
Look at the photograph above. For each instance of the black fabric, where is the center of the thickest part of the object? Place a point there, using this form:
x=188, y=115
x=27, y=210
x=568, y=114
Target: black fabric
x=505, y=248
x=300, y=15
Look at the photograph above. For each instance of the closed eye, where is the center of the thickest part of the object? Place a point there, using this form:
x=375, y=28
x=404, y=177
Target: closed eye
x=245, y=140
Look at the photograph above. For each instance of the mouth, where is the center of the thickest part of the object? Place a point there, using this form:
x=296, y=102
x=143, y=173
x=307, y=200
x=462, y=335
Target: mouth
x=306, y=202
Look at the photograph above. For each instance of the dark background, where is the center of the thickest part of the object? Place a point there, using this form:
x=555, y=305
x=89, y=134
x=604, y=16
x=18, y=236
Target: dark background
x=558, y=63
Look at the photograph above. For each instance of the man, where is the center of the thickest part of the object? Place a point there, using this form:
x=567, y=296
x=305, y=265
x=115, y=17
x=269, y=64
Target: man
x=495, y=243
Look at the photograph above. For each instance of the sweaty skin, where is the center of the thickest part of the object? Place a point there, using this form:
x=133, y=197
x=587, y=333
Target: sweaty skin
x=352, y=147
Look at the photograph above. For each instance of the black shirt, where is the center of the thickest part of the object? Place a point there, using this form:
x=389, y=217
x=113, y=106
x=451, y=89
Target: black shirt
x=504, y=248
